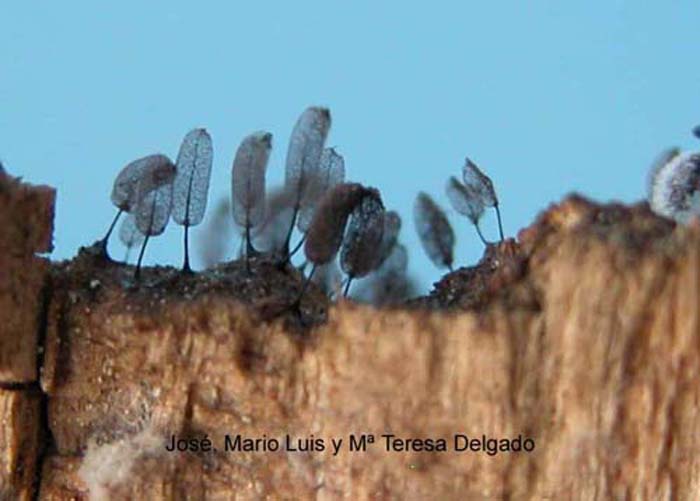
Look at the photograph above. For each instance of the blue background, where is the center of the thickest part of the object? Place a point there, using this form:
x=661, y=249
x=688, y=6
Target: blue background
x=547, y=97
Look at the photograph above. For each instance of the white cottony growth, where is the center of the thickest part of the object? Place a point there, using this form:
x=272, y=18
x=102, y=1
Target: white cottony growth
x=105, y=467
x=191, y=186
x=248, y=179
x=674, y=189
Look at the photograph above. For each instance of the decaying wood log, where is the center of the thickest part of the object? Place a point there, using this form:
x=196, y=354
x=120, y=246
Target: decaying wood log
x=578, y=342
x=582, y=337
x=20, y=442
x=26, y=225
x=26, y=218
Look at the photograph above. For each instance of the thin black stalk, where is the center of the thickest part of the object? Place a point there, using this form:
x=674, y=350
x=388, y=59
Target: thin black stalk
x=336, y=289
x=298, y=246
x=297, y=204
x=500, y=224
x=241, y=246
x=137, y=273
x=305, y=285
x=103, y=242
x=288, y=238
x=481, y=235
x=186, y=266
x=249, y=249
x=347, y=287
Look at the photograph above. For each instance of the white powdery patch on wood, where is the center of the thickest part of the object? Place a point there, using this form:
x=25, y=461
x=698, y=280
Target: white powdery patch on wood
x=108, y=466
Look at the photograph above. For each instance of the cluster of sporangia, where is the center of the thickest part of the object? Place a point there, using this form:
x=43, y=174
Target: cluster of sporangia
x=333, y=216
x=469, y=198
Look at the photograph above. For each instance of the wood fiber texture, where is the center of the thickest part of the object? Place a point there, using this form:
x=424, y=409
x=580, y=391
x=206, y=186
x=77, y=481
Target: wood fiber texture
x=26, y=226
x=582, y=335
